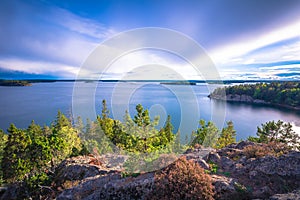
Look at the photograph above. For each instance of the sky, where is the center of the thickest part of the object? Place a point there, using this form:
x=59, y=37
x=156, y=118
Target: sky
x=248, y=39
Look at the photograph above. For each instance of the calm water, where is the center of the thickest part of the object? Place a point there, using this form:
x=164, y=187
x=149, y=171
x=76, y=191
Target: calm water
x=185, y=104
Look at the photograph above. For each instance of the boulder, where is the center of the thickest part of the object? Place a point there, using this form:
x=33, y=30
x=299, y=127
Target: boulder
x=112, y=186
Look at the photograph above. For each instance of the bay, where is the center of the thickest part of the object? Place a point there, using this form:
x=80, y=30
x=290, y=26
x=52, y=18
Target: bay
x=186, y=104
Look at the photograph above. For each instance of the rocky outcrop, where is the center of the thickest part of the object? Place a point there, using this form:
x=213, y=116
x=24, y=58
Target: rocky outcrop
x=235, y=175
x=111, y=187
x=288, y=196
x=262, y=176
x=237, y=98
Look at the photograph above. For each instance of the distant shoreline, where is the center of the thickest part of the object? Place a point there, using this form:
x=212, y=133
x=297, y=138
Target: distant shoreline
x=10, y=83
x=249, y=100
x=7, y=82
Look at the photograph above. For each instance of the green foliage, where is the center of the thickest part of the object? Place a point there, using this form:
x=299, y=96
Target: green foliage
x=278, y=132
x=206, y=135
x=126, y=174
x=29, y=154
x=16, y=159
x=227, y=136
x=284, y=93
x=138, y=134
x=213, y=167
x=64, y=139
x=182, y=179
x=3, y=140
x=93, y=138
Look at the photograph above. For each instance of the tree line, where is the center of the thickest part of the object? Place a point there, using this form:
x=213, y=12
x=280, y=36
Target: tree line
x=284, y=93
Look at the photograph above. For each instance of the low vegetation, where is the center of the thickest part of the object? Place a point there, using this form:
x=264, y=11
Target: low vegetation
x=183, y=179
x=271, y=149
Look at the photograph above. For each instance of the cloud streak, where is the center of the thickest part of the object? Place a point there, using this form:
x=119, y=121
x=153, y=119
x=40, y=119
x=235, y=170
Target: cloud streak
x=56, y=42
x=244, y=39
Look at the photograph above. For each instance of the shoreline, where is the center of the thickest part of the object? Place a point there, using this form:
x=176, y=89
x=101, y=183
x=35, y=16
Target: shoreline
x=248, y=99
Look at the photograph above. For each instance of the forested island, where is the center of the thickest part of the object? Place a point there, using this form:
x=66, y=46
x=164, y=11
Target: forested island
x=285, y=94
x=178, y=83
x=14, y=83
x=133, y=159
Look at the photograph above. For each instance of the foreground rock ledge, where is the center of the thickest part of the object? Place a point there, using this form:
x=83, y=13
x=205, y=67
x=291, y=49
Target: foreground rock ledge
x=236, y=177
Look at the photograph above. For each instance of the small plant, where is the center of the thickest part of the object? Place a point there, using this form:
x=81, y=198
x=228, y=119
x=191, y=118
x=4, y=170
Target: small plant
x=213, y=167
x=182, y=179
x=227, y=174
x=69, y=184
x=126, y=174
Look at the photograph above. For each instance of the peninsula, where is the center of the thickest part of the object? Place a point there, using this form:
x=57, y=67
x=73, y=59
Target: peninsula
x=283, y=94
x=14, y=83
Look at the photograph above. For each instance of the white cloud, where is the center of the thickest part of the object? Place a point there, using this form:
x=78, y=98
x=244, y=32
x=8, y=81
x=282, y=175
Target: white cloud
x=253, y=57
x=59, y=42
x=238, y=51
x=39, y=67
x=81, y=25
x=162, y=65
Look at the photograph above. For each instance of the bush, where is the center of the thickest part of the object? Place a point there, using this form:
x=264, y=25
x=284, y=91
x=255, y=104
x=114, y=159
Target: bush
x=272, y=149
x=182, y=179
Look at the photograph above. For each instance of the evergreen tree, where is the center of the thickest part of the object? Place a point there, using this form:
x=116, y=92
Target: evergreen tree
x=105, y=111
x=94, y=138
x=64, y=139
x=39, y=149
x=3, y=140
x=227, y=136
x=279, y=131
x=206, y=135
x=168, y=129
x=142, y=118
x=16, y=160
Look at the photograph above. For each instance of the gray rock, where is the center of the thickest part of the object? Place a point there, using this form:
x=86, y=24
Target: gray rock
x=253, y=174
x=243, y=144
x=285, y=165
x=295, y=195
x=111, y=187
x=213, y=157
x=203, y=164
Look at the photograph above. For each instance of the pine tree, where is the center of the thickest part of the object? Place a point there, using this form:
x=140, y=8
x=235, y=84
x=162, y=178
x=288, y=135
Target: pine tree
x=64, y=139
x=277, y=132
x=39, y=149
x=206, y=135
x=105, y=111
x=168, y=129
x=227, y=136
x=16, y=159
x=3, y=140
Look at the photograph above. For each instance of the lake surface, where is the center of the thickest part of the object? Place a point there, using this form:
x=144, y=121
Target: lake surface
x=186, y=104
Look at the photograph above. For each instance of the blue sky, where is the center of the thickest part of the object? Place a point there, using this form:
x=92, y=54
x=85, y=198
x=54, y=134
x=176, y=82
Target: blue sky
x=248, y=39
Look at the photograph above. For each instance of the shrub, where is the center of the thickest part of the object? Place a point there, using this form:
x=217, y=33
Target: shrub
x=182, y=179
x=272, y=149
